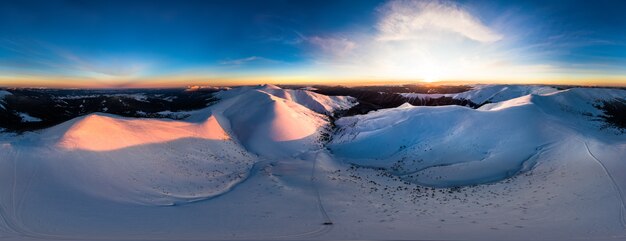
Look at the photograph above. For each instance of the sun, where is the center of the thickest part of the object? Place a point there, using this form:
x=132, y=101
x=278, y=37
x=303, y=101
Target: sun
x=428, y=80
x=431, y=74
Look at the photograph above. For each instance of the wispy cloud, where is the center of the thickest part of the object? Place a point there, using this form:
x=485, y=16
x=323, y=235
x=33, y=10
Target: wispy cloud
x=247, y=60
x=337, y=46
x=428, y=40
x=402, y=20
x=31, y=56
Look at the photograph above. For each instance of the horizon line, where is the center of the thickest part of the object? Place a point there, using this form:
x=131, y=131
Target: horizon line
x=310, y=83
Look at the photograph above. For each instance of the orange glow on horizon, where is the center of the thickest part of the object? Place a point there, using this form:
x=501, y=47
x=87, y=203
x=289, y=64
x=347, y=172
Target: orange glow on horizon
x=184, y=81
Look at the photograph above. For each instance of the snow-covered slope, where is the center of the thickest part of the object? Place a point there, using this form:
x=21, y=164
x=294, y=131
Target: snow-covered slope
x=162, y=162
x=316, y=102
x=481, y=94
x=445, y=146
x=3, y=93
x=269, y=125
x=497, y=93
x=457, y=146
x=255, y=167
x=147, y=161
x=104, y=132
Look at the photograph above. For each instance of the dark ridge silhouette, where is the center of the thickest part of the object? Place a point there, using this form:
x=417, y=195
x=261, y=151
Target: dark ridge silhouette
x=372, y=98
x=56, y=106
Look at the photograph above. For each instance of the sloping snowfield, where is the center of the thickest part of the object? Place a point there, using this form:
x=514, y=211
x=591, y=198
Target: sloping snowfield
x=532, y=164
x=490, y=93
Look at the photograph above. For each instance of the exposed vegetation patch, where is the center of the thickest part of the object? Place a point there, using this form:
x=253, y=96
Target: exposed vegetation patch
x=614, y=113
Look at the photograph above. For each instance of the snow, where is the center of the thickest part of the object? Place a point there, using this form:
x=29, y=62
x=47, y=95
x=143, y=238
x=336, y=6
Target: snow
x=405, y=105
x=165, y=162
x=459, y=146
x=273, y=122
x=497, y=93
x=310, y=88
x=143, y=161
x=269, y=125
x=423, y=96
x=172, y=114
x=205, y=87
x=481, y=94
x=251, y=166
x=85, y=133
x=3, y=93
x=448, y=146
x=138, y=96
x=27, y=118
x=317, y=102
x=170, y=98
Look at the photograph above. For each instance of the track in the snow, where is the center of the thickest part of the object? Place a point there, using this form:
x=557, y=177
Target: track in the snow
x=615, y=186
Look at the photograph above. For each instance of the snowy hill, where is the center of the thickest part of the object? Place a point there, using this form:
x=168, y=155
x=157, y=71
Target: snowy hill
x=146, y=161
x=316, y=102
x=267, y=124
x=252, y=166
x=481, y=94
x=86, y=133
x=162, y=162
x=457, y=146
x=319, y=103
x=445, y=146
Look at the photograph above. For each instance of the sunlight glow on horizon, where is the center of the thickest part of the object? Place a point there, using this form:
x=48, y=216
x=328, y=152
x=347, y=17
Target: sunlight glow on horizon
x=185, y=81
x=399, y=41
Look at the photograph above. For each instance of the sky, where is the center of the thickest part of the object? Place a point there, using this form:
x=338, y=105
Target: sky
x=53, y=43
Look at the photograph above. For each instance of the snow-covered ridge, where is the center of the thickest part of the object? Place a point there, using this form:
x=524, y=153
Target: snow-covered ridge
x=481, y=94
x=457, y=146
x=164, y=162
x=145, y=161
x=104, y=132
x=267, y=124
x=3, y=93
x=254, y=115
x=317, y=102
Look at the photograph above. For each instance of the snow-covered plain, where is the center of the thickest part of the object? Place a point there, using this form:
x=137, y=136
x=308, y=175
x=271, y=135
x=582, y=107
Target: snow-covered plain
x=533, y=164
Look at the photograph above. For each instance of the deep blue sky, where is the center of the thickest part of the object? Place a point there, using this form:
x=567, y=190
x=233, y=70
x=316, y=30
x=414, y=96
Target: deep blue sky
x=126, y=42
